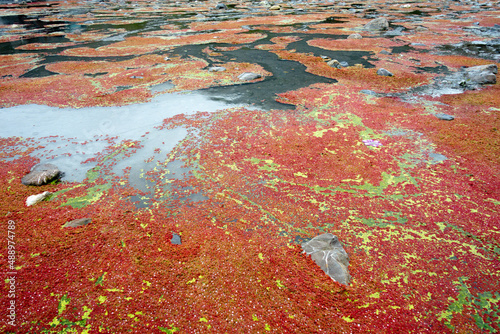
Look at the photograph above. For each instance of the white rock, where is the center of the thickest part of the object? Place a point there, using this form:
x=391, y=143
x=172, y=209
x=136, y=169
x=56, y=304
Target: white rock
x=34, y=199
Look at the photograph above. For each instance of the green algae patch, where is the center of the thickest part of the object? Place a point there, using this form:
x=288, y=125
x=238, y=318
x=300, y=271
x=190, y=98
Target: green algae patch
x=93, y=195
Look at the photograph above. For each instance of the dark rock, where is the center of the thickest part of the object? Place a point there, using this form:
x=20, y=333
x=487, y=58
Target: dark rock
x=176, y=239
x=384, y=72
x=41, y=174
x=249, y=76
x=445, y=117
x=78, y=222
x=328, y=253
x=221, y=6
x=378, y=24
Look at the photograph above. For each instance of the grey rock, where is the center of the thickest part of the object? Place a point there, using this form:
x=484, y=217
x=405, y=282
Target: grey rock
x=249, y=76
x=481, y=75
x=445, y=117
x=344, y=64
x=370, y=92
x=378, y=24
x=385, y=52
x=493, y=68
x=221, y=6
x=78, y=222
x=216, y=69
x=483, y=78
x=470, y=78
x=328, y=253
x=384, y=72
x=395, y=32
x=354, y=36
x=176, y=239
x=41, y=174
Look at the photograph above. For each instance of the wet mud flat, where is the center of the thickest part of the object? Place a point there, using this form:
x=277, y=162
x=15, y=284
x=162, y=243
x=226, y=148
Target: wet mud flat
x=200, y=143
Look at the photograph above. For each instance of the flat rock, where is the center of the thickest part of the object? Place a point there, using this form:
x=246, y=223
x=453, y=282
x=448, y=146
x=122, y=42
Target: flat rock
x=40, y=174
x=328, y=253
x=384, y=72
x=378, y=24
x=249, y=76
x=216, y=69
x=78, y=222
x=445, y=117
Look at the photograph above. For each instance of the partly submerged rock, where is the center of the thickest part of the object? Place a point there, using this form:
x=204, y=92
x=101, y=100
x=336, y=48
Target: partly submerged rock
x=354, y=36
x=328, y=253
x=78, y=222
x=34, y=199
x=41, y=174
x=384, y=72
x=249, y=76
x=176, y=239
x=334, y=63
x=445, y=117
x=221, y=6
x=378, y=24
x=216, y=69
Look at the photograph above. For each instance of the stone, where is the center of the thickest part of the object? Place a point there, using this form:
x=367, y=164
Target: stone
x=328, y=253
x=445, y=117
x=34, y=199
x=275, y=7
x=249, y=76
x=483, y=74
x=41, y=174
x=385, y=52
x=176, y=239
x=216, y=69
x=78, y=222
x=334, y=63
x=384, y=72
x=420, y=29
x=378, y=24
x=220, y=6
x=354, y=36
